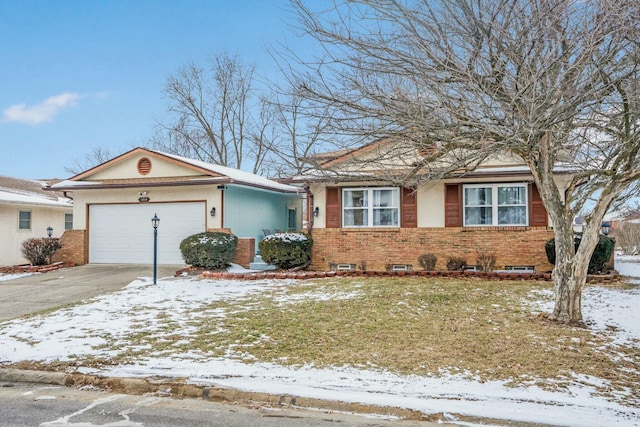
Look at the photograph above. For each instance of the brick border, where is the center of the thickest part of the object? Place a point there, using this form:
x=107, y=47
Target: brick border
x=305, y=275
x=13, y=269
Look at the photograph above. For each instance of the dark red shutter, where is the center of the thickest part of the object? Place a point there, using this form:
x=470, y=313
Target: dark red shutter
x=452, y=205
x=409, y=209
x=537, y=213
x=333, y=207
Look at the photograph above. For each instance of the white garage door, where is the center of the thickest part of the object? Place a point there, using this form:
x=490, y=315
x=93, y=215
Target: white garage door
x=122, y=234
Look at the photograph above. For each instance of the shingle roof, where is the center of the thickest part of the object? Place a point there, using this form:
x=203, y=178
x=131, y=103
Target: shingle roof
x=29, y=192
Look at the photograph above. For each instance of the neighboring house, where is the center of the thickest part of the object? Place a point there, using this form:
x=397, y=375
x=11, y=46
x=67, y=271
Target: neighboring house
x=26, y=211
x=115, y=201
x=359, y=217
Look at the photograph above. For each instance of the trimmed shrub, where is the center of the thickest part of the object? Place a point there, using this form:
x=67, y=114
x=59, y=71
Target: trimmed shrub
x=486, y=261
x=40, y=251
x=456, y=264
x=286, y=250
x=212, y=250
x=427, y=261
x=601, y=254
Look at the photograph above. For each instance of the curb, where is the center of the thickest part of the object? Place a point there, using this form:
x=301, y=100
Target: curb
x=179, y=388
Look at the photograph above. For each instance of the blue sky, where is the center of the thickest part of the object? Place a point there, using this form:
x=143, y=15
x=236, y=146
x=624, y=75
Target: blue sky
x=82, y=74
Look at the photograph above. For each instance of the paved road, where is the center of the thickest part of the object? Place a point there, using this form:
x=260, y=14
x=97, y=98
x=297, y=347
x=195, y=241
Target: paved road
x=24, y=405
x=38, y=292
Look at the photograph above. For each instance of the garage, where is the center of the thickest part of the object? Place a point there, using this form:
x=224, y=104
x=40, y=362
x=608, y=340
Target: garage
x=123, y=234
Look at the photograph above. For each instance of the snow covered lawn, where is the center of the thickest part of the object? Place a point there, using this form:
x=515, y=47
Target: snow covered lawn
x=193, y=328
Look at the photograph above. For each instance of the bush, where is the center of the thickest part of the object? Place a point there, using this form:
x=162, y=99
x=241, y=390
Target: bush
x=212, y=250
x=456, y=264
x=486, y=261
x=286, y=250
x=601, y=254
x=427, y=261
x=40, y=251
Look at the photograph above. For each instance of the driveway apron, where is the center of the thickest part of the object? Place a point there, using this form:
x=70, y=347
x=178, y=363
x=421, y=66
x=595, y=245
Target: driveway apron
x=44, y=291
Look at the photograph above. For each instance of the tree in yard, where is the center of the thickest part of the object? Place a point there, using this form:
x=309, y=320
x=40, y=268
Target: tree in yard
x=553, y=82
x=217, y=116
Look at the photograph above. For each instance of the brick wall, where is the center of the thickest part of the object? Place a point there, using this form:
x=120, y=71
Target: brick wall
x=245, y=252
x=379, y=247
x=73, y=247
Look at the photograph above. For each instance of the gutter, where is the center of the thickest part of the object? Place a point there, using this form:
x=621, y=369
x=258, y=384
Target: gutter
x=227, y=181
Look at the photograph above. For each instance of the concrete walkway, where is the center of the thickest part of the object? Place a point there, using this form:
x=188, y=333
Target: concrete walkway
x=45, y=291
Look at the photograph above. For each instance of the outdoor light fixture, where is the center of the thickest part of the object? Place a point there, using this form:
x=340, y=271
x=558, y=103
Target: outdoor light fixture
x=606, y=227
x=155, y=222
x=316, y=211
x=49, y=231
x=213, y=211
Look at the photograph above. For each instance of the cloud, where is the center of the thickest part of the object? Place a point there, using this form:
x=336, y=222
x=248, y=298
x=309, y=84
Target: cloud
x=40, y=113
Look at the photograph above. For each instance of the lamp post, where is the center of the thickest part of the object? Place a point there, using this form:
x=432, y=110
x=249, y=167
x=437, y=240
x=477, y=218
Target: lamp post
x=155, y=221
x=49, y=231
x=606, y=227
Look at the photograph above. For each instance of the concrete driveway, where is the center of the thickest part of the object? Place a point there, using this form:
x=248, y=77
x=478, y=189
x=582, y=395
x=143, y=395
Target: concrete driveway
x=38, y=292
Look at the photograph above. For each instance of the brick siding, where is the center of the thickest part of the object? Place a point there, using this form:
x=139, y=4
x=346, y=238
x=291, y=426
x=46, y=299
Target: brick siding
x=380, y=247
x=73, y=248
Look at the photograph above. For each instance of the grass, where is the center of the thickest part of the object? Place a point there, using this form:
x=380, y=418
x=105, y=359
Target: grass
x=482, y=329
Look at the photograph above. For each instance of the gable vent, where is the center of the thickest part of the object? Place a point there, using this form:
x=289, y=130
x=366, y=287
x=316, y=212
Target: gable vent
x=144, y=166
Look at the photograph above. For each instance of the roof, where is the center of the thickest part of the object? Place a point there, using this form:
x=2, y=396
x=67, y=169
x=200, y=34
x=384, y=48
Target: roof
x=237, y=176
x=30, y=192
x=332, y=170
x=212, y=174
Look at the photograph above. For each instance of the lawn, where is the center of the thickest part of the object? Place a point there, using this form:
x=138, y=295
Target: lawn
x=410, y=327
x=487, y=330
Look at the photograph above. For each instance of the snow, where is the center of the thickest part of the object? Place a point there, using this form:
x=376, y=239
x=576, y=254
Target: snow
x=32, y=199
x=12, y=276
x=82, y=330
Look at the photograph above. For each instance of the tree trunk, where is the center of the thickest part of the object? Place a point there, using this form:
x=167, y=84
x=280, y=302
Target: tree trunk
x=568, y=292
x=570, y=273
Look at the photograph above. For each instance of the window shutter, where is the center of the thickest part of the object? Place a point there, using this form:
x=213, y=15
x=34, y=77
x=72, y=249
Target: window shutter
x=452, y=205
x=537, y=213
x=409, y=208
x=332, y=207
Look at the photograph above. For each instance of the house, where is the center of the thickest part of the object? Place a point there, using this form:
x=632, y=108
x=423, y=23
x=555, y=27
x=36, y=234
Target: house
x=26, y=211
x=365, y=213
x=115, y=201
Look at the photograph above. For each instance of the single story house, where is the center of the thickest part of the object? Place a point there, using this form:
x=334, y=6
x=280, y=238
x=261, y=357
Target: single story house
x=27, y=211
x=365, y=213
x=115, y=201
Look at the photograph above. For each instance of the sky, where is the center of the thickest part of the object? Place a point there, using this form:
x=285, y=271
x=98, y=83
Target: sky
x=101, y=327
x=78, y=75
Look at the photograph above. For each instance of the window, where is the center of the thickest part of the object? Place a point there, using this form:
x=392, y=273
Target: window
x=24, y=220
x=68, y=221
x=370, y=207
x=495, y=204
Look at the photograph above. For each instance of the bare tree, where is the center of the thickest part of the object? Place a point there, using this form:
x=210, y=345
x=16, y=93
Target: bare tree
x=214, y=110
x=628, y=238
x=553, y=82
x=97, y=156
x=297, y=133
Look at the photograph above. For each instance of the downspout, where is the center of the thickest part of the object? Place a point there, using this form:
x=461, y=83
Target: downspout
x=310, y=206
